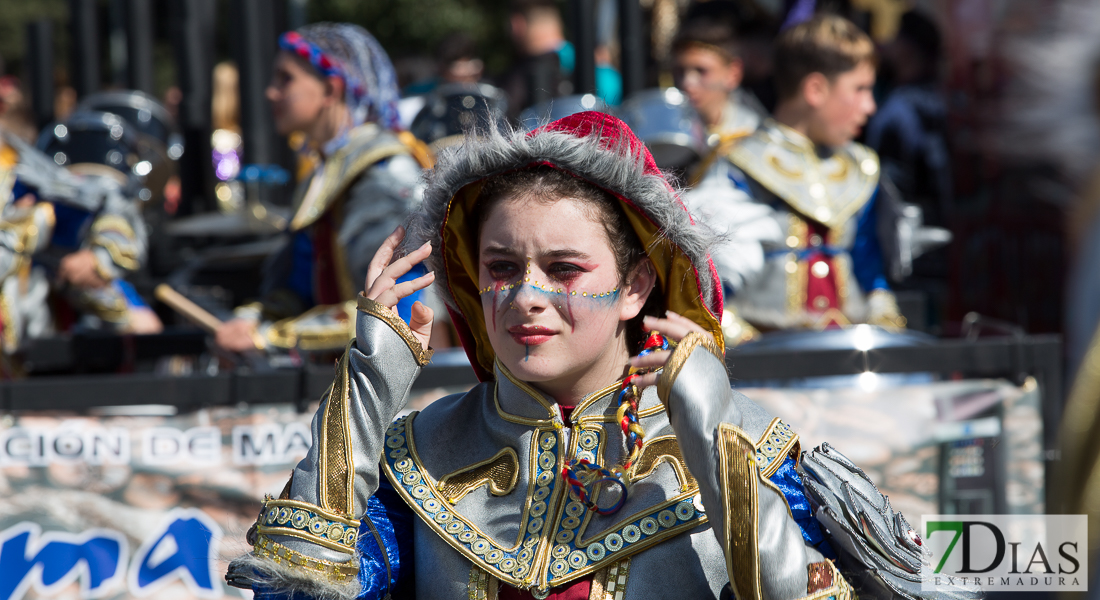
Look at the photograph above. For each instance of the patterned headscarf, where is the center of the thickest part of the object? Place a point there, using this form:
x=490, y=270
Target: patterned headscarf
x=351, y=53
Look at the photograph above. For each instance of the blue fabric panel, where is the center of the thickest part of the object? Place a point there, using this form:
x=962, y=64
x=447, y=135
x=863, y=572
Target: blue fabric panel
x=789, y=482
x=300, y=280
x=133, y=299
x=20, y=189
x=866, y=252
x=740, y=181
x=68, y=231
x=393, y=520
x=404, y=305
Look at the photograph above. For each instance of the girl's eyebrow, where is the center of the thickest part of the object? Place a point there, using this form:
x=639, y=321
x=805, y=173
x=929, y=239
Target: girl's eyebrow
x=498, y=250
x=565, y=253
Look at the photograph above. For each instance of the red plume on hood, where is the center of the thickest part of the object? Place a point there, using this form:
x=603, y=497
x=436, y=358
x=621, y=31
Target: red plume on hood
x=595, y=147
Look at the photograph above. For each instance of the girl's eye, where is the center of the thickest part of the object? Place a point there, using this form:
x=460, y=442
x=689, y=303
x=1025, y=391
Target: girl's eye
x=565, y=271
x=502, y=270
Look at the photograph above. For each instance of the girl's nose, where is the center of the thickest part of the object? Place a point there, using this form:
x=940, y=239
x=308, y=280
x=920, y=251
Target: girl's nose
x=530, y=295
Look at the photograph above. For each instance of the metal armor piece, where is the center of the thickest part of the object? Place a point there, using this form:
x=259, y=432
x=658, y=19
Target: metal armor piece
x=557, y=108
x=669, y=126
x=453, y=109
x=879, y=551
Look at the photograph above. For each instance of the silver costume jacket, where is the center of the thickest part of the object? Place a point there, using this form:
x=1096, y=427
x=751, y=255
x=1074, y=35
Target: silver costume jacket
x=482, y=473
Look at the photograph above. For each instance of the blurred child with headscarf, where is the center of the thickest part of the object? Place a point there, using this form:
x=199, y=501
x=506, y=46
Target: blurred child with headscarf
x=333, y=83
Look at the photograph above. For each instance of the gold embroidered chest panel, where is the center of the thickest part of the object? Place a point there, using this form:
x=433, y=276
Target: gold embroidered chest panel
x=508, y=510
x=828, y=189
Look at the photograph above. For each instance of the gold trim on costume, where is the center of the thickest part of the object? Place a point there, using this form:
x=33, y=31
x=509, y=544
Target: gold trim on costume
x=828, y=190
x=281, y=555
x=530, y=391
x=680, y=356
x=838, y=587
x=738, y=475
x=776, y=443
x=550, y=550
x=591, y=399
x=339, y=256
x=297, y=332
x=500, y=472
x=125, y=258
x=660, y=449
x=482, y=585
x=336, y=462
x=550, y=422
x=797, y=271
x=610, y=583
x=338, y=179
x=398, y=324
x=10, y=339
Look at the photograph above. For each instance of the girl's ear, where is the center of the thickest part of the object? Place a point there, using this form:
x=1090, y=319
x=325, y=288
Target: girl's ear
x=636, y=291
x=334, y=88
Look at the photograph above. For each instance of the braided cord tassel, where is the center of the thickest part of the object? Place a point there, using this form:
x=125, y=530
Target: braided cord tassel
x=581, y=475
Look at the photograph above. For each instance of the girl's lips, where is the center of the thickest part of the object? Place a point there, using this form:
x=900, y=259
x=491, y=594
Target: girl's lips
x=530, y=335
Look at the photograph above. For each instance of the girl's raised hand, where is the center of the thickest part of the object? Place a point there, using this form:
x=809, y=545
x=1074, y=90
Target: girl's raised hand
x=674, y=327
x=382, y=287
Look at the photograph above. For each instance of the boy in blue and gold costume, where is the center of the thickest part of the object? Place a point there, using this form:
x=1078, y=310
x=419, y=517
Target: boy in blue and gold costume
x=800, y=201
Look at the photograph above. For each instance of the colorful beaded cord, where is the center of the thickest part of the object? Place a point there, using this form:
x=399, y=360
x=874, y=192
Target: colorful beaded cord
x=583, y=476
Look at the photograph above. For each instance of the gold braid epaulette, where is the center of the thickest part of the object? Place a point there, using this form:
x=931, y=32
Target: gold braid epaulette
x=387, y=316
x=281, y=555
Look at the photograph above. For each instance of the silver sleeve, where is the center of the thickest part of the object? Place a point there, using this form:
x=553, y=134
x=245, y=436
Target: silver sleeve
x=766, y=556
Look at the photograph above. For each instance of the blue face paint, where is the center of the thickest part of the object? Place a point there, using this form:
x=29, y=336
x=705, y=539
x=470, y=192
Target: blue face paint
x=554, y=295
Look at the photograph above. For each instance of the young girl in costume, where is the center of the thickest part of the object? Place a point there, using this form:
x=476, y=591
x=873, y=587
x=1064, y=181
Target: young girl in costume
x=574, y=470
x=334, y=83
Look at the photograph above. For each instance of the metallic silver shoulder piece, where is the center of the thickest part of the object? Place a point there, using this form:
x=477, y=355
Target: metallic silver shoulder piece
x=880, y=553
x=902, y=233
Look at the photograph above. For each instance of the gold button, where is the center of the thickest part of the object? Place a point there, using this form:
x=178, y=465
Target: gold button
x=791, y=266
x=815, y=240
x=817, y=190
x=868, y=166
x=820, y=269
x=823, y=214
x=792, y=241
x=821, y=302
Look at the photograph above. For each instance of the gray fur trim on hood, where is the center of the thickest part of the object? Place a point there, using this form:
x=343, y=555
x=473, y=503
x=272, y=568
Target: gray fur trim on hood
x=612, y=167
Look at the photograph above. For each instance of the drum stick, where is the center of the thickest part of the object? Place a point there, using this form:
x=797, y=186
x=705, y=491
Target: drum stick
x=184, y=306
x=195, y=313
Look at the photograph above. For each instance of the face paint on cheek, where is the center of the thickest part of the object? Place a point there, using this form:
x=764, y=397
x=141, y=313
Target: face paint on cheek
x=585, y=301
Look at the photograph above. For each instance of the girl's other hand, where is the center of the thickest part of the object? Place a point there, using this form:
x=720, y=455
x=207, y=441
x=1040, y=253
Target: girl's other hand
x=382, y=287
x=675, y=328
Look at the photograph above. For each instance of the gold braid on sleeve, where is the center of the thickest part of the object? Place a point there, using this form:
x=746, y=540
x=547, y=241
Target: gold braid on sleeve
x=680, y=356
x=387, y=316
x=741, y=505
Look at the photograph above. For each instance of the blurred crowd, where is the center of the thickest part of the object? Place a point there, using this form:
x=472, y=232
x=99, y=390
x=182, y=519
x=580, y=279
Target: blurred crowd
x=813, y=137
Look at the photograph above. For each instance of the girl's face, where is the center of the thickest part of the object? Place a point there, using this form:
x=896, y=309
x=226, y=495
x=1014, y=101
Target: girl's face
x=298, y=97
x=550, y=292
